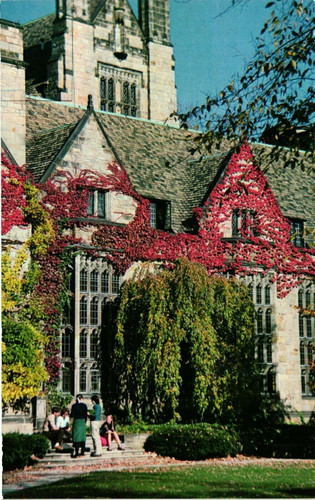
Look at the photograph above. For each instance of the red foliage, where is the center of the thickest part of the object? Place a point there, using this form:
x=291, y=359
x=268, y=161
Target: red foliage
x=13, y=195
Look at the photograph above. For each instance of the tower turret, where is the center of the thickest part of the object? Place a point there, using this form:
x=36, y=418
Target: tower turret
x=154, y=19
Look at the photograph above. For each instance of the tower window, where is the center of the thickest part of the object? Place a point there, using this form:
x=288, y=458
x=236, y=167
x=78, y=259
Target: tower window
x=107, y=94
x=83, y=311
x=94, y=311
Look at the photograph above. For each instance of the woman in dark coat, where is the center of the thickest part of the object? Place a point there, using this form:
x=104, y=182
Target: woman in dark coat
x=79, y=413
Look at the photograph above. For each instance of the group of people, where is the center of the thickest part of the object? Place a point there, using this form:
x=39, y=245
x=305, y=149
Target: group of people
x=57, y=428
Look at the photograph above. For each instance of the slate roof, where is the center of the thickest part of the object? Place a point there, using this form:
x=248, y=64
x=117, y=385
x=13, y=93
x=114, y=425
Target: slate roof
x=157, y=160
x=39, y=30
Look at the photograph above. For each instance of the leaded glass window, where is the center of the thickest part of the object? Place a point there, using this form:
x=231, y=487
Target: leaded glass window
x=302, y=354
x=267, y=295
x=83, y=380
x=258, y=294
x=83, y=280
x=94, y=344
x=105, y=282
x=115, y=283
x=269, y=351
x=259, y=321
x=94, y=311
x=94, y=281
x=268, y=321
x=83, y=311
x=66, y=344
x=83, y=344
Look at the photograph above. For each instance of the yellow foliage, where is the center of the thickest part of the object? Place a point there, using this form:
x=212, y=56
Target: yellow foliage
x=12, y=277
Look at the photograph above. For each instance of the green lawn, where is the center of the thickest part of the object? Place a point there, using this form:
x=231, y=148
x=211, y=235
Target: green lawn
x=220, y=481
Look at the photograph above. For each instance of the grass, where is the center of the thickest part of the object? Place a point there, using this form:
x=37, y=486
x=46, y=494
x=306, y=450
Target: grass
x=212, y=481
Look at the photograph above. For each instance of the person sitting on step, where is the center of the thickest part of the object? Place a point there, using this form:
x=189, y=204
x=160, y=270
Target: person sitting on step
x=52, y=431
x=63, y=422
x=109, y=430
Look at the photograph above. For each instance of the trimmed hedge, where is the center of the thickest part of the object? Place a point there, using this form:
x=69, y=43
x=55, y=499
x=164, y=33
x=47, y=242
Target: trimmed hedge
x=193, y=441
x=18, y=449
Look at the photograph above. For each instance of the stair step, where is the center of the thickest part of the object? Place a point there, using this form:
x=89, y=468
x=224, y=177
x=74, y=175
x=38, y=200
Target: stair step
x=59, y=459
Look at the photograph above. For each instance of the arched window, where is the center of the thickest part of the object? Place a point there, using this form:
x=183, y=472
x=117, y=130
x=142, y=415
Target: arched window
x=115, y=283
x=308, y=326
x=83, y=280
x=258, y=294
x=95, y=380
x=94, y=281
x=259, y=321
x=260, y=351
x=105, y=282
x=300, y=298
x=307, y=298
x=269, y=351
x=302, y=354
x=268, y=321
x=66, y=382
x=309, y=353
x=301, y=325
x=94, y=344
x=94, y=311
x=83, y=379
x=83, y=311
x=267, y=295
x=66, y=344
x=83, y=344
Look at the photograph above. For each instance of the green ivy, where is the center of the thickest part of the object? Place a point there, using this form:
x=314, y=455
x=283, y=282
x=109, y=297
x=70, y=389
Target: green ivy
x=183, y=348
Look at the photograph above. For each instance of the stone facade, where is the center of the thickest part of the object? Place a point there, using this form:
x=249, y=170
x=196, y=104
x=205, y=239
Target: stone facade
x=13, y=127
x=100, y=49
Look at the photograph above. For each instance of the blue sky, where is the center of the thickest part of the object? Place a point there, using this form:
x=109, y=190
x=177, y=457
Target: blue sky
x=210, y=45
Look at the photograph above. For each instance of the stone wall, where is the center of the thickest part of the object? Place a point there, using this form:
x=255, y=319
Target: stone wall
x=13, y=90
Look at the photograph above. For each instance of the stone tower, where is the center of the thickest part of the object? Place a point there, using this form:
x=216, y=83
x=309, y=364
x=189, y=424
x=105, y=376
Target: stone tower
x=154, y=19
x=100, y=48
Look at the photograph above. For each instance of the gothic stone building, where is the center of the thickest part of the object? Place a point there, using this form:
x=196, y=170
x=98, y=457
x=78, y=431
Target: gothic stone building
x=100, y=49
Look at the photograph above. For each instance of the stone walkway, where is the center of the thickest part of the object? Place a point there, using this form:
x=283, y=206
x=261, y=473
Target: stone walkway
x=37, y=476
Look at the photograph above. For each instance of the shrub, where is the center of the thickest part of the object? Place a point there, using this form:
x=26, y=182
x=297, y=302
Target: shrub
x=39, y=444
x=295, y=441
x=18, y=449
x=193, y=441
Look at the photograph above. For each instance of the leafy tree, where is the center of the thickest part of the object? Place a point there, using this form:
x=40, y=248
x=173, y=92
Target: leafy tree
x=183, y=348
x=274, y=99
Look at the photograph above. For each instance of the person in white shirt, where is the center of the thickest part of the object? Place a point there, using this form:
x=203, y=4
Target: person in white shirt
x=63, y=422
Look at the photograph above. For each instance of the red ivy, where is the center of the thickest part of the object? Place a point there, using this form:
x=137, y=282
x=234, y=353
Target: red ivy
x=13, y=195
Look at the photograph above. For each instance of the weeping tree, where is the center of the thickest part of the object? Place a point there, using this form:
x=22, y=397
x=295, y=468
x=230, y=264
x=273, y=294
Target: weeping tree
x=183, y=348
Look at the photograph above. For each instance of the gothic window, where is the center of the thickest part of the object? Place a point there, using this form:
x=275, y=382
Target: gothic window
x=83, y=311
x=66, y=343
x=307, y=299
x=267, y=295
x=260, y=351
x=83, y=344
x=302, y=354
x=308, y=326
x=66, y=382
x=83, y=380
x=268, y=321
x=300, y=298
x=97, y=204
x=301, y=325
x=251, y=292
x=259, y=321
x=105, y=282
x=83, y=280
x=269, y=351
x=235, y=215
x=160, y=214
x=258, y=294
x=297, y=228
x=271, y=383
x=94, y=311
x=309, y=353
x=107, y=94
x=94, y=344
x=95, y=380
x=303, y=383
x=129, y=99
x=94, y=281
x=115, y=283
